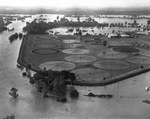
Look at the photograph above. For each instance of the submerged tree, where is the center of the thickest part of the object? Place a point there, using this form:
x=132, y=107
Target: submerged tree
x=20, y=35
x=49, y=81
x=13, y=37
x=74, y=93
x=78, y=18
x=57, y=18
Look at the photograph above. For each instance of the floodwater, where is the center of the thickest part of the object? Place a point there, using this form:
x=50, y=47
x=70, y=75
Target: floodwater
x=108, y=19
x=125, y=104
x=105, y=30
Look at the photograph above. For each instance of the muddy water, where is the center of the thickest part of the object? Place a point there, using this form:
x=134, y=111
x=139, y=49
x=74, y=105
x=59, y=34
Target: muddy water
x=31, y=105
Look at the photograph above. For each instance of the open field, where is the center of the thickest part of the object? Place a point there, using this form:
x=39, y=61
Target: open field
x=93, y=64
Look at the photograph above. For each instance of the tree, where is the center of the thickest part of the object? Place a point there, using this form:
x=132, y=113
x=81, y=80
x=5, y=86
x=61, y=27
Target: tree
x=2, y=24
x=20, y=35
x=89, y=19
x=57, y=18
x=134, y=22
x=125, y=23
x=74, y=93
x=113, y=31
x=80, y=32
x=55, y=21
x=48, y=80
x=78, y=18
x=104, y=43
x=61, y=88
x=148, y=22
x=68, y=76
x=72, y=77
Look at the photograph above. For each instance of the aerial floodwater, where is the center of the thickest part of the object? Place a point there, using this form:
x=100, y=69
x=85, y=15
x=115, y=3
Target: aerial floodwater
x=127, y=101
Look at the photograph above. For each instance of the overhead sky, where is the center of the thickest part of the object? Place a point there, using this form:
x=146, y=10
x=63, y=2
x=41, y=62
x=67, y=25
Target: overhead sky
x=75, y=3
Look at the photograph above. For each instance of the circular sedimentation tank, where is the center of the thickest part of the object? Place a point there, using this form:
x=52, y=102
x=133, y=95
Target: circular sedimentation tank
x=111, y=64
x=70, y=41
x=45, y=45
x=67, y=37
x=75, y=51
x=45, y=51
x=80, y=58
x=44, y=40
x=57, y=65
x=126, y=49
x=145, y=53
x=44, y=37
x=90, y=75
x=112, y=55
x=139, y=60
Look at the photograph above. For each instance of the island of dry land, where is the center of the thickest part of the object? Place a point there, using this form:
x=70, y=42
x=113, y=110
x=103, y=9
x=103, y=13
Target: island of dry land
x=92, y=62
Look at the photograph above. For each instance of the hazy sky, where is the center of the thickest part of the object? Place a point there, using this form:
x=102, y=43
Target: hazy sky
x=76, y=3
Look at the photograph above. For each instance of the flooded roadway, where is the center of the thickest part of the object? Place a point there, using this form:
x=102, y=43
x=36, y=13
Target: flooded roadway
x=126, y=103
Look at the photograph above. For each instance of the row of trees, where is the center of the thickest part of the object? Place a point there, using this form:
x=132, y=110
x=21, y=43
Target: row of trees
x=38, y=26
x=2, y=25
x=92, y=22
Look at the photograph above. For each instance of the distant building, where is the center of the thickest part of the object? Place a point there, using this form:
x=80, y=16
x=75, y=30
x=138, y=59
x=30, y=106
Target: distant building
x=113, y=35
x=124, y=36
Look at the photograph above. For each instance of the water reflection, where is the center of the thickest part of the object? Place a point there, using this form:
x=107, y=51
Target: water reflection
x=39, y=104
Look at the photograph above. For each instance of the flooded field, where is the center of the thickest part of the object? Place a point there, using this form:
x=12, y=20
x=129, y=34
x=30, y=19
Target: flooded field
x=125, y=104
